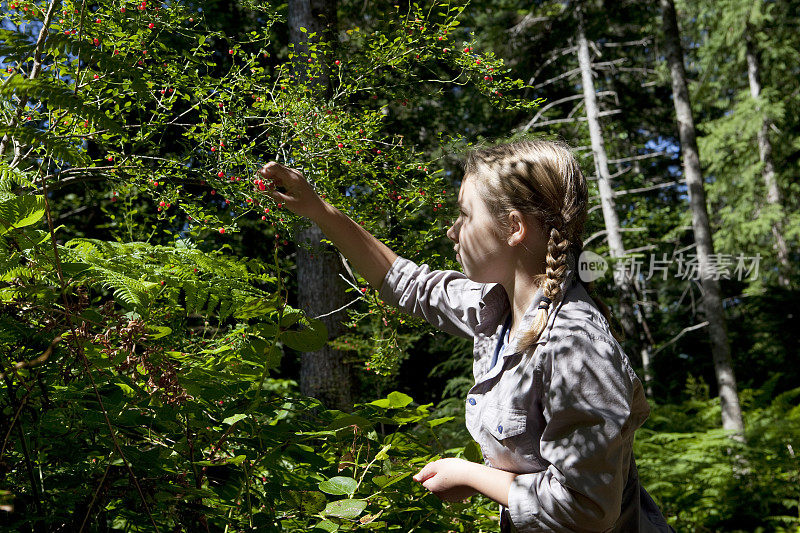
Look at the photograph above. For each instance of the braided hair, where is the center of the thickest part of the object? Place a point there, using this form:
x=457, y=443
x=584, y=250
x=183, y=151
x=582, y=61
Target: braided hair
x=540, y=179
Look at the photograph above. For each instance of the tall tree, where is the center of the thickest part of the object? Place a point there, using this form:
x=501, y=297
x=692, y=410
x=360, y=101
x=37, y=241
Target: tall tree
x=765, y=155
x=712, y=301
x=321, y=290
x=610, y=217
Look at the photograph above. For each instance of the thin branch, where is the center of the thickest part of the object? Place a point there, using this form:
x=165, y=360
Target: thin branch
x=636, y=157
x=603, y=233
x=640, y=189
x=35, y=70
x=683, y=332
x=639, y=42
x=569, y=73
x=560, y=101
x=576, y=119
x=38, y=360
x=554, y=57
x=523, y=25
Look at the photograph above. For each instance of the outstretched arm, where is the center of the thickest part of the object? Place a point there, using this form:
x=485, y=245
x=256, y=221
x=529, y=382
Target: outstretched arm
x=369, y=256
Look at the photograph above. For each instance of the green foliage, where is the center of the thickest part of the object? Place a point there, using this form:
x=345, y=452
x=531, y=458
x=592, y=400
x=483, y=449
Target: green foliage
x=140, y=360
x=700, y=477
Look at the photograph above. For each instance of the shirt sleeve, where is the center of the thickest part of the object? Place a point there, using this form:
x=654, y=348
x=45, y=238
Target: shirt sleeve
x=591, y=408
x=447, y=299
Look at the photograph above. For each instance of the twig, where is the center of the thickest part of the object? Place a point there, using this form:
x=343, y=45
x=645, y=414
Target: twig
x=681, y=334
x=37, y=361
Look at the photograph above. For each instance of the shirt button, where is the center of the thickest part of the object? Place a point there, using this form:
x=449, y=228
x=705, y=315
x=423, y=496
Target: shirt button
x=499, y=429
x=472, y=401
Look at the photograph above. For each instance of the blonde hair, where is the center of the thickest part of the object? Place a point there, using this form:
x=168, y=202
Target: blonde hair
x=540, y=179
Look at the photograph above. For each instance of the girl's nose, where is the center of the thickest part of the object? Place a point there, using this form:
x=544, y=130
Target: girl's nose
x=451, y=233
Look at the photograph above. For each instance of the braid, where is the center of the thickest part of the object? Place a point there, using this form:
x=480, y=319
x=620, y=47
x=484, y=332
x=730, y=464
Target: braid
x=557, y=253
x=556, y=264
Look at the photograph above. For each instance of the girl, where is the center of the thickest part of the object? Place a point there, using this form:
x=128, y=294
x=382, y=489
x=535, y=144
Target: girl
x=555, y=402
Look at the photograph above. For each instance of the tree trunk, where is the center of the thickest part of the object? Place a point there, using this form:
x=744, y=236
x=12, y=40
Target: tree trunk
x=323, y=374
x=614, y=235
x=711, y=302
x=765, y=155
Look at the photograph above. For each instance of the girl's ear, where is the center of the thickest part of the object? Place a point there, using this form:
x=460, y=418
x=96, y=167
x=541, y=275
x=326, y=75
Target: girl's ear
x=519, y=228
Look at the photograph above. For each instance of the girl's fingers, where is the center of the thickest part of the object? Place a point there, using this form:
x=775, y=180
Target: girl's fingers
x=278, y=196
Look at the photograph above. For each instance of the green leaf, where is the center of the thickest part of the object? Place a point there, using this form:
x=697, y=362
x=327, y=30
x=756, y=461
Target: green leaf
x=312, y=338
x=472, y=452
x=438, y=421
x=309, y=502
x=390, y=479
x=160, y=331
x=394, y=400
x=235, y=418
x=346, y=508
x=327, y=525
x=338, y=485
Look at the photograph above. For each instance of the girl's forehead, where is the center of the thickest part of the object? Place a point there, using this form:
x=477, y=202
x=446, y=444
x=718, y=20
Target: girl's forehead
x=468, y=191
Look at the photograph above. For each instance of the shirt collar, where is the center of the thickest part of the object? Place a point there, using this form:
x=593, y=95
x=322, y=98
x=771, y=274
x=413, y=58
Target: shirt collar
x=496, y=305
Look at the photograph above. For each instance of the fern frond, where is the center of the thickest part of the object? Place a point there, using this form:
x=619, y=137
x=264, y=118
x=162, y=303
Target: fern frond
x=48, y=142
x=131, y=291
x=58, y=96
x=20, y=211
x=15, y=46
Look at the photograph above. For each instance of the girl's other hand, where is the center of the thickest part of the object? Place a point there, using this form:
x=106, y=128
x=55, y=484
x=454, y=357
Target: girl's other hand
x=297, y=195
x=447, y=478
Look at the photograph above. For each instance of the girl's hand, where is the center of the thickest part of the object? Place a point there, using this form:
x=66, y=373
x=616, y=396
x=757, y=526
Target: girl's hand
x=447, y=479
x=298, y=196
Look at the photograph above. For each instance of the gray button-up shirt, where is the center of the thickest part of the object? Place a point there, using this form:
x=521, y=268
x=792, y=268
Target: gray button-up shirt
x=562, y=417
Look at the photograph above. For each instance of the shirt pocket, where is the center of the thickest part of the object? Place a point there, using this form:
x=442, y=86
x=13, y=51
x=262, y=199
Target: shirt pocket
x=503, y=422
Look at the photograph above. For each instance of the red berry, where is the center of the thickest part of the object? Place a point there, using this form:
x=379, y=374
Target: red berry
x=230, y=51
x=122, y=10
x=110, y=158
x=162, y=282
x=151, y=25
x=98, y=21
x=162, y=204
x=263, y=217
x=221, y=174
x=337, y=62
x=96, y=41
x=96, y=76
x=213, y=191
x=221, y=230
